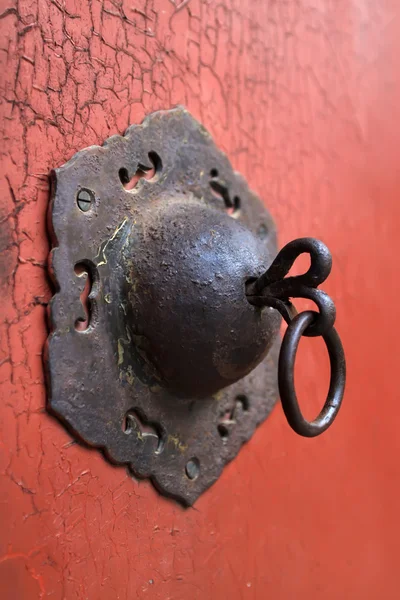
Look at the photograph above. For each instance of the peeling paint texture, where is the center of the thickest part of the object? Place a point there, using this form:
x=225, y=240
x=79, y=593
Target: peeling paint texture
x=304, y=96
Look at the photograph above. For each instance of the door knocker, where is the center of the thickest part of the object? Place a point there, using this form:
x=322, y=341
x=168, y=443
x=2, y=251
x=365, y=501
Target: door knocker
x=164, y=349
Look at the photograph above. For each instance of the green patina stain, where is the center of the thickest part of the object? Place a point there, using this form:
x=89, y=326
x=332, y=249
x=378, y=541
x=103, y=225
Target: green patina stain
x=173, y=439
x=120, y=351
x=101, y=256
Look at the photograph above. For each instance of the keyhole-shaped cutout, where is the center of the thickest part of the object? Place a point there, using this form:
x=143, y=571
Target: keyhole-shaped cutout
x=136, y=423
x=229, y=418
x=82, y=323
x=220, y=190
x=142, y=172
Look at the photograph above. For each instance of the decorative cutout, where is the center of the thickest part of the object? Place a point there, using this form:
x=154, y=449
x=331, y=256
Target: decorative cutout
x=230, y=417
x=82, y=323
x=220, y=190
x=142, y=172
x=242, y=402
x=136, y=423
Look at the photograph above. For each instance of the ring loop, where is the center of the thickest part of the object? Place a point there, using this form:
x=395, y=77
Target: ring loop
x=287, y=391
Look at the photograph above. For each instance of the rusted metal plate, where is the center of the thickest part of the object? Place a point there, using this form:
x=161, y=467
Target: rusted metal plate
x=121, y=215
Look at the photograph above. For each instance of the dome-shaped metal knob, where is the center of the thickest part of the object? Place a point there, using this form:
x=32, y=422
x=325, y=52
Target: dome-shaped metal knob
x=188, y=307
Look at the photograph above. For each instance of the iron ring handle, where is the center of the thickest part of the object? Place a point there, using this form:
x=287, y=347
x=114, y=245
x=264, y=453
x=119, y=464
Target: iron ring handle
x=286, y=377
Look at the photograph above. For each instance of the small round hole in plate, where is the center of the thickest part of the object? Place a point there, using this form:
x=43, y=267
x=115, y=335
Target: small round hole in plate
x=192, y=468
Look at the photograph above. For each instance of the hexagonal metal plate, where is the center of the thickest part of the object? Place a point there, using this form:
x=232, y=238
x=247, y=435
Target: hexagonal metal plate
x=98, y=384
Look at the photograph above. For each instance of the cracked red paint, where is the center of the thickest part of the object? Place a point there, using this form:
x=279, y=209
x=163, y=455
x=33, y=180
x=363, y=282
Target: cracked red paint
x=304, y=96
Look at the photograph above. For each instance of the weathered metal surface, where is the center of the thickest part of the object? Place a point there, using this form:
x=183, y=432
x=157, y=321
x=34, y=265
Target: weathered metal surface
x=161, y=235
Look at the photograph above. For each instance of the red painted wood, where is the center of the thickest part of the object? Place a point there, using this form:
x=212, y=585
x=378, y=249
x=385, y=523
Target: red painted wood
x=304, y=96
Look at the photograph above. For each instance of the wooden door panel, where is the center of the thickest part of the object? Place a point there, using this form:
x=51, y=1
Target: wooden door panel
x=304, y=97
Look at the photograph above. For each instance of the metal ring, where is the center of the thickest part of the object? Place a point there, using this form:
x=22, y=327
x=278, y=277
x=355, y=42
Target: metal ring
x=286, y=377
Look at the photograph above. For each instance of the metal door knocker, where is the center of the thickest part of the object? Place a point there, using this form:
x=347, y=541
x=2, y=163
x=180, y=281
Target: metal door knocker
x=164, y=349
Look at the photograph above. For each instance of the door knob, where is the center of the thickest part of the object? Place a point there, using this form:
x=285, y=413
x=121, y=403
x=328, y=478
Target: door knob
x=164, y=338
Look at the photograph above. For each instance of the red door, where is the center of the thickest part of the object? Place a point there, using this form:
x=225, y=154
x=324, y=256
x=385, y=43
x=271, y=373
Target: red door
x=304, y=97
